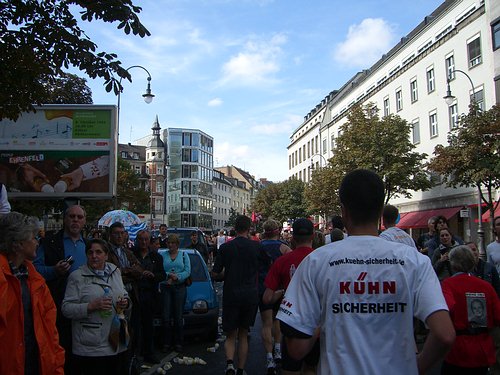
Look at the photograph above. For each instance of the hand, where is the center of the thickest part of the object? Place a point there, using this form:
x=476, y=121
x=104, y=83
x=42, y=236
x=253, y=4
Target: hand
x=444, y=257
x=62, y=267
x=101, y=303
x=122, y=303
x=148, y=274
x=73, y=179
x=173, y=276
x=29, y=173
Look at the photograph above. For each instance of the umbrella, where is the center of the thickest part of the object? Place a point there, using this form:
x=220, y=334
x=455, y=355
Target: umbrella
x=127, y=218
x=130, y=221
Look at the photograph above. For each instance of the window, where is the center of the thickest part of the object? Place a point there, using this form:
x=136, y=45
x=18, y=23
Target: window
x=495, y=33
x=450, y=67
x=332, y=140
x=159, y=187
x=431, y=84
x=124, y=154
x=478, y=97
x=433, y=125
x=324, y=146
x=415, y=131
x=300, y=157
x=387, y=109
x=308, y=149
x=474, y=52
x=399, y=100
x=453, y=112
x=413, y=91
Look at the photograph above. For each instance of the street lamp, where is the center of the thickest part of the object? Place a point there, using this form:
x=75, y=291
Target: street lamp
x=148, y=98
x=449, y=98
x=322, y=159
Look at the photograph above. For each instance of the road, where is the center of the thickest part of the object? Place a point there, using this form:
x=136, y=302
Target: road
x=216, y=361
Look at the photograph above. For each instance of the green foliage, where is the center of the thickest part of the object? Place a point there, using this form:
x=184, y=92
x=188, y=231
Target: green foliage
x=42, y=38
x=131, y=195
x=68, y=89
x=472, y=156
x=382, y=145
x=282, y=201
x=321, y=194
x=232, y=218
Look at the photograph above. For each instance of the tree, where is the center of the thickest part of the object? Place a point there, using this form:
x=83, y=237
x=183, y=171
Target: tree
x=321, y=194
x=68, y=89
x=42, y=38
x=282, y=201
x=232, y=218
x=130, y=195
x=383, y=146
x=472, y=157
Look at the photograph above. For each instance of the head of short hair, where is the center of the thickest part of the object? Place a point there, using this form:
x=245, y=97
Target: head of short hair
x=336, y=235
x=271, y=228
x=438, y=219
x=390, y=215
x=242, y=224
x=362, y=195
x=432, y=220
x=99, y=241
x=143, y=231
x=337, y=222
x=16, y=227
x=495, y=219
x=318, y=239
x=66, y=212
x=462, y=259
x=116, y=224
x=163, y=225
x=174, y=238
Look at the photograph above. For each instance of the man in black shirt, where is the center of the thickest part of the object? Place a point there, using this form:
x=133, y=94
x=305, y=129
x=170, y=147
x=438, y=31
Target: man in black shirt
x=237, y=264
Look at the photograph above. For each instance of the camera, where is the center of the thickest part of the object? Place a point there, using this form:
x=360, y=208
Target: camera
x=69, y=260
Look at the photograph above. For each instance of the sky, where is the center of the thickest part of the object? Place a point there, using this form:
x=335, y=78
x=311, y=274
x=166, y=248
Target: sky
x=246, y=72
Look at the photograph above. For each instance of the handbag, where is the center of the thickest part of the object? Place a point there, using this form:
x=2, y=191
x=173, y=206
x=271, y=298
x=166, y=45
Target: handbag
x=118, y=333
x=189, y=280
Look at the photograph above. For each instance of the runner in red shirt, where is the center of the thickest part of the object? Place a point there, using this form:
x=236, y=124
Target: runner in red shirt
x=277, y=281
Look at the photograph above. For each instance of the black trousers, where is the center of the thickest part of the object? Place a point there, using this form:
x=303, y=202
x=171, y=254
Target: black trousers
x=145, y=322
x=106, y=365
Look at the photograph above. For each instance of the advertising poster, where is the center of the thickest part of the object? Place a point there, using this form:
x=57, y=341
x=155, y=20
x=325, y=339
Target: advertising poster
x=60, y=151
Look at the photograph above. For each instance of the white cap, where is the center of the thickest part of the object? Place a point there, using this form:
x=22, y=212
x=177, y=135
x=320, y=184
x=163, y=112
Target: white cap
x=60, y=186
x=47, y=188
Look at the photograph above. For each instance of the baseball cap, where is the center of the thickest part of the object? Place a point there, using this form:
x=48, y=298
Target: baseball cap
x=302, y=227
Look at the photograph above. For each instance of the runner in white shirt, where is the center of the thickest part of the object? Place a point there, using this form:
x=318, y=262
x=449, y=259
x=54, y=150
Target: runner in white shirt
x=393, y=233
x=360, y=295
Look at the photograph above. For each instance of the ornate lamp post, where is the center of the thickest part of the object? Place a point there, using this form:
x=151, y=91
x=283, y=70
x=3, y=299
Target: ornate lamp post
x=449, y=98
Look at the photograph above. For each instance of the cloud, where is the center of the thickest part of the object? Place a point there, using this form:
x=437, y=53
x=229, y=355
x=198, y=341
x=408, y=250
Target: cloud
x=365, y=43
x=215, y=102
x=256, y=64
x=284, y=127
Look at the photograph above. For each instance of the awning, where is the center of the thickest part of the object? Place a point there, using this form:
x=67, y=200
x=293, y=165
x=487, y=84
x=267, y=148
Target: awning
x=419, y=219
x=486, y=215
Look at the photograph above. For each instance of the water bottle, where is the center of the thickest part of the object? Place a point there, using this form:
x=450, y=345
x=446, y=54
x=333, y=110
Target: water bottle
x=106, y=313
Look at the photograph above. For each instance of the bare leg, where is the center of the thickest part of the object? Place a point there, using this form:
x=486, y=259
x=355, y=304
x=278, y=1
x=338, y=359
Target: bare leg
x=230, y=344
x=267, y=326
x=242, y=347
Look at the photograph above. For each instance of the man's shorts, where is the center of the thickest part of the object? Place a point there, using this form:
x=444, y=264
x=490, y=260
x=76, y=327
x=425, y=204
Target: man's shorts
x=289, y=364
x=238, y=316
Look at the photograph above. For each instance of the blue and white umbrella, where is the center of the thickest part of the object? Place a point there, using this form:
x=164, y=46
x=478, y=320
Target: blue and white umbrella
x=130, y=221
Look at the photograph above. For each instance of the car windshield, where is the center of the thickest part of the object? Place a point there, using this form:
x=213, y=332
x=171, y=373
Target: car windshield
x=197, y=270
x=185, y=237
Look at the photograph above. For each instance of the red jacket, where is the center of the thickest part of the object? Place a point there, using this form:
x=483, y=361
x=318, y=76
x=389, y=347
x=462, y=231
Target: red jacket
x=462, y=292
x=51, y=361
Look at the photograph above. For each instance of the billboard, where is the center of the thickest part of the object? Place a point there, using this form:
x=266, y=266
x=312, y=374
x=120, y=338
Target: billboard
x=60, y=151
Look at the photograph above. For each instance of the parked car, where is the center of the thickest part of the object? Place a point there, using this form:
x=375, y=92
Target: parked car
x=201, y=310
x=185, y=236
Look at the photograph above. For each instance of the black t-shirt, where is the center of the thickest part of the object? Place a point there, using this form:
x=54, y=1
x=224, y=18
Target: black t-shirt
x=239, y=260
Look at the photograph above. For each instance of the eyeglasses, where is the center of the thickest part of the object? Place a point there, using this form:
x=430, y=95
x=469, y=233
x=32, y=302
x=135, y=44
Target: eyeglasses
x=73, y=216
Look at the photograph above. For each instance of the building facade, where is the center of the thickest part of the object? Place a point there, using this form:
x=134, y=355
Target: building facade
x=222, y=200
x=410, y=80
x=190, y=176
